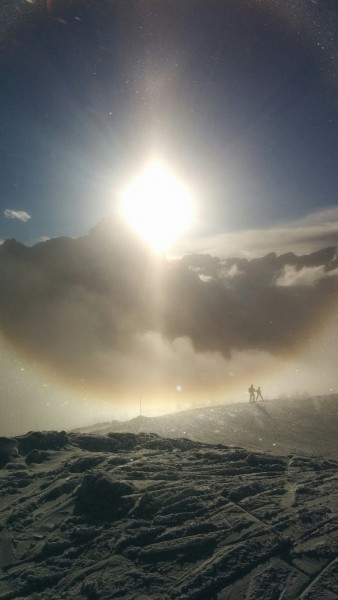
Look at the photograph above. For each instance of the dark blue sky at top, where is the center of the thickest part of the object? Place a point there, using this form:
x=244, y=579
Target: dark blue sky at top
x=238, y=97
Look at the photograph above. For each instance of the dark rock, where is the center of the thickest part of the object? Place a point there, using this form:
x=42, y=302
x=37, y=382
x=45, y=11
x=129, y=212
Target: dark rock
x=128, y=441
x=103, y=498
x=84, y=463
x=8, y=450
x=16, y=466
x=243, y=491
x=172, y=444
x=42, y=440
x=145, y=506
x=115, y=441
x=95, y=443
x=191, y=548
x=35, y=456
x=267, y=462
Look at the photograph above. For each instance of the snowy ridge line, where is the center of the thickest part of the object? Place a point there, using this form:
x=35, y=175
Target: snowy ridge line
x=300, y=425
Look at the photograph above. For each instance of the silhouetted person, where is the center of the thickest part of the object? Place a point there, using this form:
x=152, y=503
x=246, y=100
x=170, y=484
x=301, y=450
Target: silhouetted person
x=251, y=391
x=259, y=394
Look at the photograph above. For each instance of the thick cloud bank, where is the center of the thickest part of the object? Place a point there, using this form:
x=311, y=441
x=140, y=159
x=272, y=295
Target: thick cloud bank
x=103, y=308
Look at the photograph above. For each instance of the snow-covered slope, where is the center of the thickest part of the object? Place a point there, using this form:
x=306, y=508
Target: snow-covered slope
x=98, y=517
x=303, y=425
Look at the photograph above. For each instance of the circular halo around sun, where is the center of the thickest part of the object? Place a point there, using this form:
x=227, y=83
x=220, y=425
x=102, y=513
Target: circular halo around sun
x=157, y=206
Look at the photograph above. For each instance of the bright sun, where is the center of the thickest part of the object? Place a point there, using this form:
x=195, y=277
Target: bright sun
x=158, y=206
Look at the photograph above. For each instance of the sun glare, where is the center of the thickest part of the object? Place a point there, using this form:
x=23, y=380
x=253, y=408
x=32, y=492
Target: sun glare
x=158, y=206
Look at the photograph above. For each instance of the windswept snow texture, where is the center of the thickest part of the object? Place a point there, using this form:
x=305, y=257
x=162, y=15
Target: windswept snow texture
x=140, y=517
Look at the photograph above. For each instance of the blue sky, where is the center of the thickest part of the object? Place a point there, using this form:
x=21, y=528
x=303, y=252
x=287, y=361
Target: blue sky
x=239, y=98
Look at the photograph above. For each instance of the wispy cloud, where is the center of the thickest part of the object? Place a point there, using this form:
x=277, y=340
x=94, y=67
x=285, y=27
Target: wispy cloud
x=20, y=215
x=306, y=276
x=302, y=236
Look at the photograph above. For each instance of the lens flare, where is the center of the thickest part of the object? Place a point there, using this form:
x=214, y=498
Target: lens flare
x=157, y=206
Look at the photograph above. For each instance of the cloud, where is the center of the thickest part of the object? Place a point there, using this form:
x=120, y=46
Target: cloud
x=305, y=276
x=21, y=215
x=105, y=311
x=312, y=232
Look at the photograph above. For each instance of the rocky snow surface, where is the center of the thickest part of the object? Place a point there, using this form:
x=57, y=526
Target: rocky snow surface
x=140, y=517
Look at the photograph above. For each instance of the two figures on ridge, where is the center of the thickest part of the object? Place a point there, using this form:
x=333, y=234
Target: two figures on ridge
x=252, y=393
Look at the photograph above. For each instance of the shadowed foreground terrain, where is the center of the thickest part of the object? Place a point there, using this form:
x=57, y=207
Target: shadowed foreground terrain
x=119, y=515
